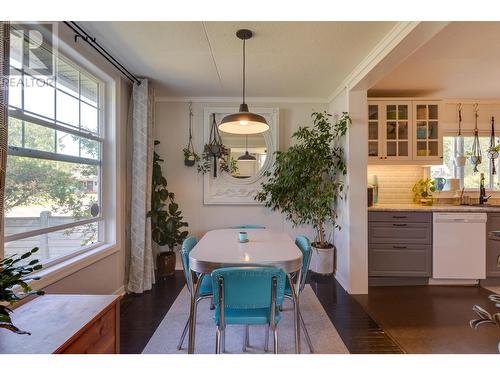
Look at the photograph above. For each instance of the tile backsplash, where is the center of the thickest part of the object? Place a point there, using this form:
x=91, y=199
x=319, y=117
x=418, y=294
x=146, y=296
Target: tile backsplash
x=395, y=182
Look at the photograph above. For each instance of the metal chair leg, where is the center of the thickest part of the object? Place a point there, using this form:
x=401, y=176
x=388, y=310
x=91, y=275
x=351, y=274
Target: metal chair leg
x=183, y=336
x=266, y=343
x=224, y=340
x=217, y=340
x=245, y=339
x=275, y=331
x=306, y=333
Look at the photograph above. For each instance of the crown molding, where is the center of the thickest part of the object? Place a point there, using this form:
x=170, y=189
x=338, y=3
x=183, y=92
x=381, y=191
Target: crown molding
x=237, y=99
x=382, y=48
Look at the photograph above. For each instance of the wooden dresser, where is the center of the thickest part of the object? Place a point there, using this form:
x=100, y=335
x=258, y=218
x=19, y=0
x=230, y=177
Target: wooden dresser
x=72, y=324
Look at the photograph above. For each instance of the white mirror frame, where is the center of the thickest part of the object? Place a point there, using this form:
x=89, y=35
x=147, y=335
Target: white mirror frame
x=229, y=190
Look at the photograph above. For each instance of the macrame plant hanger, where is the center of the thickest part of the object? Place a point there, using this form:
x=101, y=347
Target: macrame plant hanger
x=476, y=147
x=215, y=143
x=190, y=158
x=492, y=152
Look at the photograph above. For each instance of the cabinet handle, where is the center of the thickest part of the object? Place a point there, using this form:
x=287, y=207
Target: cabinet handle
x=400, y=217
x=399, y=225
x=399, y=247
x=498, y=261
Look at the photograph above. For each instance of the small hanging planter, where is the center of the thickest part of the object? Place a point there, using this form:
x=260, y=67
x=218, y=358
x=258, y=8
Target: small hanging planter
x=475, y=157
x=215, y=155
x=494, y=149
x=460, y=159
x=190, y=157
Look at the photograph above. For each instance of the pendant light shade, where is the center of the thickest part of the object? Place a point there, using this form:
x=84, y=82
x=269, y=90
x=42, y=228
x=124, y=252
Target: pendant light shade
x=246, y=156
x=244, y=122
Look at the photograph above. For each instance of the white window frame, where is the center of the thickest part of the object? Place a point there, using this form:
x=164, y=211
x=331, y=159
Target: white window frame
x=107, y=218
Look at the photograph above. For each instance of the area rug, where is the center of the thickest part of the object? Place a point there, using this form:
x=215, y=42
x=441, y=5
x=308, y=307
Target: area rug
x=324, y=336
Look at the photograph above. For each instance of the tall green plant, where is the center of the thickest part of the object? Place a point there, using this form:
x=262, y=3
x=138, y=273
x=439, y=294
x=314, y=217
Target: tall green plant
x=166, y=218
x=13, y=275
x=307, y=179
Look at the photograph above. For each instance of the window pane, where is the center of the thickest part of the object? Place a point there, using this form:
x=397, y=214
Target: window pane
x=433, y=112
x=89, y=117
x=422, y=148
x=403, y=148
x=67, y=78
x=391, y=112
x=38, y=137
x=433, y=148
x=372, y=148
x=433, y=130
x=373, y=130
x=421, y=130
x=421, y=112
x=15, y=132
x=89, y=89
x=447, y=169
x=373, y=112
x=391, y=130
x=391, y=148
x=69, y=144
x=38, y=97
x=402, y=130
x=51, y=245
x=402, y=112
x=67, y=109
x=15, y=89
x=16, y=49
x=36, y=187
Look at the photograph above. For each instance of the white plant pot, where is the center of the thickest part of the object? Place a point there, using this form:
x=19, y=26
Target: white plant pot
x=322, y=260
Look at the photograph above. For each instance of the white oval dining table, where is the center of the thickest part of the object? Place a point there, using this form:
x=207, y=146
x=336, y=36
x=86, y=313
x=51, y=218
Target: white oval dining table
x=221, y=248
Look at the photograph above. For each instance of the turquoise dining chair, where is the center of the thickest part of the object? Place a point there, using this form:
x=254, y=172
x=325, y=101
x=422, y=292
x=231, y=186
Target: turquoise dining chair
x=305, y=247
x=248, y=226
x=247, y=296
x=205, y=288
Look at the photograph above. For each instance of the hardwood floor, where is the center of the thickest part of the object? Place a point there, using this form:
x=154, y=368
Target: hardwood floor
x=142, y=313
x=432, y=319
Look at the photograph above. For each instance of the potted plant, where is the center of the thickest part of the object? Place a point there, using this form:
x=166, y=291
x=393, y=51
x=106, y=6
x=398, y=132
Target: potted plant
x=166, y=219
x=14, y=276
x=422, y=191
x=190, y=157
x=307, y=181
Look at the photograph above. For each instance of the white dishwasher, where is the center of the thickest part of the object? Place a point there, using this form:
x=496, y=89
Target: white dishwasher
x=459, y=245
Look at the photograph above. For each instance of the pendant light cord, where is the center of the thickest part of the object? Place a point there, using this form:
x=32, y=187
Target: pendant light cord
x=244, y=70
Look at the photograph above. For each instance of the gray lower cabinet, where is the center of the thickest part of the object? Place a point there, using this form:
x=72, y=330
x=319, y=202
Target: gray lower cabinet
x=399, y=244
x=493, y=247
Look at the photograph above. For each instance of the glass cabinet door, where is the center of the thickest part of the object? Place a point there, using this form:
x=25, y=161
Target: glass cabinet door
x=373, y=131
x=426, y=131
x=397, y=122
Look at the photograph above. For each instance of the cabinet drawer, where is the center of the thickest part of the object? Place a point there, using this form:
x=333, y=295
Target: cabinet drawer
x=399, y=260
x=493, y=258
x=400, y=233
x=99, y=338
x=400, y=216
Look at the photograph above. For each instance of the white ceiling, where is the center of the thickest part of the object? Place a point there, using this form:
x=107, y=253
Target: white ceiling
x=462, y=61
x=203, y=59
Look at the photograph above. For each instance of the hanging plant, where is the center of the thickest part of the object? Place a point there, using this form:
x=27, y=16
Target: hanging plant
x=215, y=155
x=475, y=156
x=460, y=159
x=493, y=150
x=190, y=157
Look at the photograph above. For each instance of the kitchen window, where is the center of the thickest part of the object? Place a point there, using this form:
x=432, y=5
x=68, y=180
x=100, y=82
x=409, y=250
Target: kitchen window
x=55, y=139
x=466, y=175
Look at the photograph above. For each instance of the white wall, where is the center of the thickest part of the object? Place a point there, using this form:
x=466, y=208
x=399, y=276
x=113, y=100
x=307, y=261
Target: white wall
x=171, y=129
x=352, y=240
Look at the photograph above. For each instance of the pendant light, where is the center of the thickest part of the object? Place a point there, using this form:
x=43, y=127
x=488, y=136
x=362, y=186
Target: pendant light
x=246, y=155
x=244, y=122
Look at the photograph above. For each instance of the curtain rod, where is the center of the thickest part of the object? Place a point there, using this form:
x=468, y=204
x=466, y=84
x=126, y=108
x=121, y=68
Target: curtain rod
x=81, y=33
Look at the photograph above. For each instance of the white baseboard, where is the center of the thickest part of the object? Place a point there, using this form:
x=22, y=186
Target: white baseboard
x=120, y=291
x=453, y=281
x=342, y=281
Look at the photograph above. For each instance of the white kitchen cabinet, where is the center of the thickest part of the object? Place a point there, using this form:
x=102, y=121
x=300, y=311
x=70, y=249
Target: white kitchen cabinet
x=404, y=131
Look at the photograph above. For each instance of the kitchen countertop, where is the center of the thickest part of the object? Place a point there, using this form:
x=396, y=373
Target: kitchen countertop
x=434, y=208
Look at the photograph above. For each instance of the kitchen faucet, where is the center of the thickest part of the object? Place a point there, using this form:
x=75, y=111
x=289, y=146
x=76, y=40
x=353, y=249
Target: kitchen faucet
x=482, y=191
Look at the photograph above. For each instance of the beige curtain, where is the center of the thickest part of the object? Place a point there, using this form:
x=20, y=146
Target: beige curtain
x=140, y=265
x=4, y=109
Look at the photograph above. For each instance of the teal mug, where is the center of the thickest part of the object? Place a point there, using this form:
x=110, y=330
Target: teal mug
x=243, y=236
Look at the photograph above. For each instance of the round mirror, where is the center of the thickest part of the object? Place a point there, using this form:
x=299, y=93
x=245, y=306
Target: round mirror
x=248, y=151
